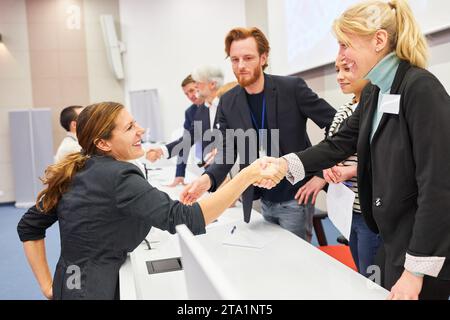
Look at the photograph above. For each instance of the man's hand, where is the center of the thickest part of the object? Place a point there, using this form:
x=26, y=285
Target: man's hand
x=339, y=174
x=154, y=154
x=311, y=188
x=408, y=287
x=278, y=165
x=177, y=181
x=195, y=190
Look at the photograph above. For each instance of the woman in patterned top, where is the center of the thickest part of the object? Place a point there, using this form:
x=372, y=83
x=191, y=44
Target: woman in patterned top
x=363, y=242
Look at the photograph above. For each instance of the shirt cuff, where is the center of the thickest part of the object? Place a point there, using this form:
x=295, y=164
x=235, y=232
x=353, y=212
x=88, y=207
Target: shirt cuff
x=165, y=152
x=430, y=266
x=296, y=171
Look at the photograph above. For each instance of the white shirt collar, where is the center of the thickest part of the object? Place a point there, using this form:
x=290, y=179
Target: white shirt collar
x=72, y=135
x=214, y=103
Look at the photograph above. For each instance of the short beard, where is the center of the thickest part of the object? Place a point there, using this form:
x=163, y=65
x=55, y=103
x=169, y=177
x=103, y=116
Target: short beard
x=252, y=80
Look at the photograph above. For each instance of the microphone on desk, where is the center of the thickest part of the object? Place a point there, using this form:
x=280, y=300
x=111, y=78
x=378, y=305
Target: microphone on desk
x=148, y=244
x=247, y=203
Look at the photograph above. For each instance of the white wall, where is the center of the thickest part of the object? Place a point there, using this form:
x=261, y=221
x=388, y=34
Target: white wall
x=103, y=86
x=15, y=82
x=167, y=39
x=440, y=57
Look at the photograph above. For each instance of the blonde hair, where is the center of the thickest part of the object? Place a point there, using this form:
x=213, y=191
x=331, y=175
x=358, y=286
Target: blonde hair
x=225, y=88
x=396, y=18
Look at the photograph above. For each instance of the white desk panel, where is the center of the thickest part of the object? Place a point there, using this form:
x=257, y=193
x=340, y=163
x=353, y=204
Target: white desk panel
x=286, y=268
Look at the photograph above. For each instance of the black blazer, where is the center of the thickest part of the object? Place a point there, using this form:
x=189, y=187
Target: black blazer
x=107, y=211
x=184, y=143
x=404, y=173
x=193, y=113
x=290, y=103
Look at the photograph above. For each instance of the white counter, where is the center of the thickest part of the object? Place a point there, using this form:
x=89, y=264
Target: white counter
x=286, y=268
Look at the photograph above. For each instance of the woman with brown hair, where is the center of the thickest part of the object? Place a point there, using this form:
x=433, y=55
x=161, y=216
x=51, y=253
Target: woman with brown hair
x=105, y=207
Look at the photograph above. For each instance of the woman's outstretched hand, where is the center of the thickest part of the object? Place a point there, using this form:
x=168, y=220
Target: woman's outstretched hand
x=271, y=171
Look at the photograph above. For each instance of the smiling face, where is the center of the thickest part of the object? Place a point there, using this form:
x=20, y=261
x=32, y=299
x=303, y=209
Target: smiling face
x=246, y=61
x=125, y=142
x=362, y=53
x=346, y=81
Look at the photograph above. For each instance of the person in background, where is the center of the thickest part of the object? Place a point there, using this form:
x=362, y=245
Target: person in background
x=263, y=106
x=208, y=80
x=209, y=158
x=68, y=120
x=363, y=242
x=195, y=111
x=400, y=132
x=106, y=208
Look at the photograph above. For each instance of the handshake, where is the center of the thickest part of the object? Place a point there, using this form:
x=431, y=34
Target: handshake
x=269, y=171
x=264, y=173
x=154, y=154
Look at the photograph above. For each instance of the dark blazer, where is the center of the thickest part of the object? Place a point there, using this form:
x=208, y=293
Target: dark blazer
x=191, y=132
x=189, y=118
x=290, y=103
x=403, y=174
x=107, y=211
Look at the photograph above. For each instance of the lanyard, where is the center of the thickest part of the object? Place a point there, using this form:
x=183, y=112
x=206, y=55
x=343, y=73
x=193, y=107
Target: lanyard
x=263, y=116
x=260, y=129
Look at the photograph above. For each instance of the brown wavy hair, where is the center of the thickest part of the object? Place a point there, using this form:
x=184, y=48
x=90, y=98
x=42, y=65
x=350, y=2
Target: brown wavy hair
x=95, y=122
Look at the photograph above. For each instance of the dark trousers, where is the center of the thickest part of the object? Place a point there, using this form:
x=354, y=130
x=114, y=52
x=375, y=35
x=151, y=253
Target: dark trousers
x=364, y=244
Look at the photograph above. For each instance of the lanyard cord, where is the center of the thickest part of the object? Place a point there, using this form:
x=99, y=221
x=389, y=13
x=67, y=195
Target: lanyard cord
x=263, y=116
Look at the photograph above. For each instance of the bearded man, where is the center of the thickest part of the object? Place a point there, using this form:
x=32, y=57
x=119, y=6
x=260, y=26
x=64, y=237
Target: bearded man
x=275, y=109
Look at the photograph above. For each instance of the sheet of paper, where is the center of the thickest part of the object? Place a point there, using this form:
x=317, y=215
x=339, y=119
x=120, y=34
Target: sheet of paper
x=249, y=236
x=340, y=201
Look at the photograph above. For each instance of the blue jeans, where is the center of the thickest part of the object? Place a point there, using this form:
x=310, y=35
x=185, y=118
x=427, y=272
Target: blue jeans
x=291, y=216
x=363, y=244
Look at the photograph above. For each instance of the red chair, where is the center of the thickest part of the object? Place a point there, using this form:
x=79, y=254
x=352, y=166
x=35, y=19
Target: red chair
x=342, y=252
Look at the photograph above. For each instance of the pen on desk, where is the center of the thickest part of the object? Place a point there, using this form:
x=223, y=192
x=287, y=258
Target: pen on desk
x=232, y=230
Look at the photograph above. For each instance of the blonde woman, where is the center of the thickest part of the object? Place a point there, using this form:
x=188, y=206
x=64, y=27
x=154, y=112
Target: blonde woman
x=363, y=242
x=401, y=133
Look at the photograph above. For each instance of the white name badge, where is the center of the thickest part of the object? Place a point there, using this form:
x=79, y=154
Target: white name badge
x=390, y=103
